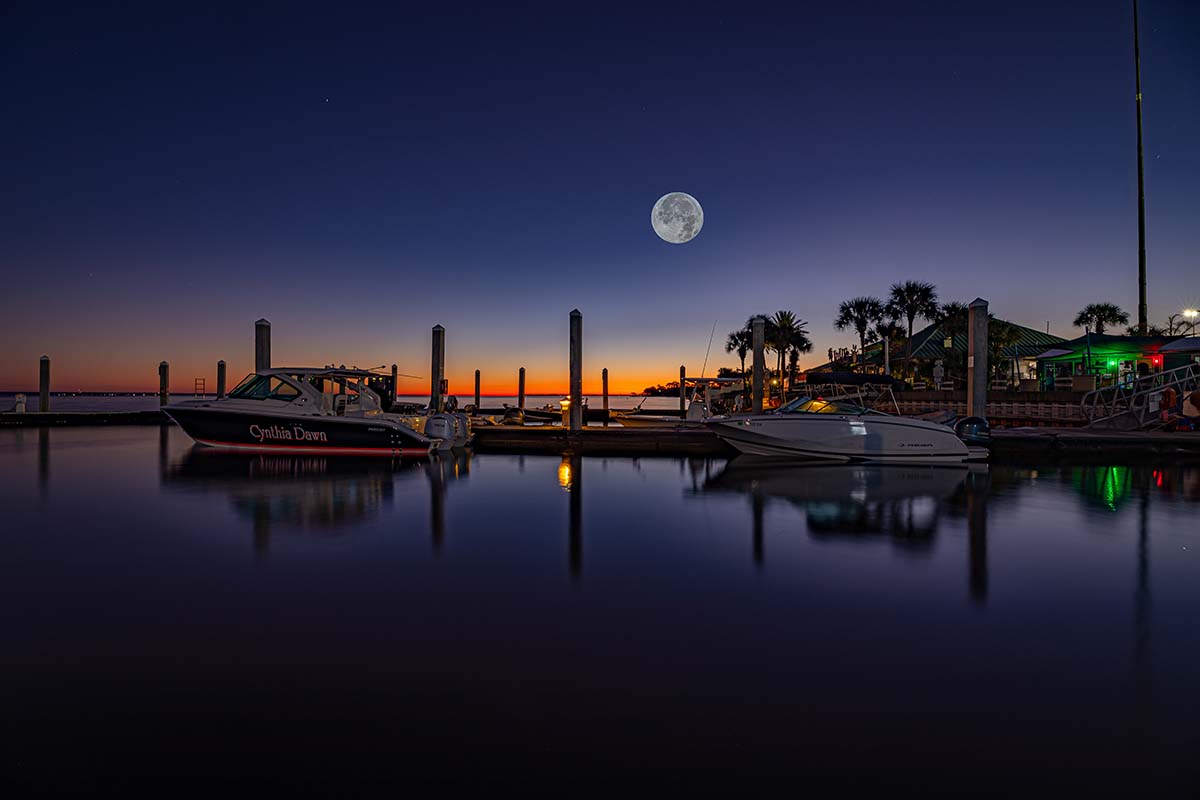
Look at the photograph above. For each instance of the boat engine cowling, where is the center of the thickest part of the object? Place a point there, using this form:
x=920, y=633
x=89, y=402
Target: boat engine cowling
x=973, y=430
x=462, y=432
x=442, y=428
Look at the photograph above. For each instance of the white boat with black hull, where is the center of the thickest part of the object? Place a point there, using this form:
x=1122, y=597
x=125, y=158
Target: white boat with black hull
x=833, y=430
x=310, y=410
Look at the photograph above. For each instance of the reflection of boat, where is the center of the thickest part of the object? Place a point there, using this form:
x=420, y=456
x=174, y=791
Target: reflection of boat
x=903, y=501
x=833, y=430
x=320, y=411
x=805, y=482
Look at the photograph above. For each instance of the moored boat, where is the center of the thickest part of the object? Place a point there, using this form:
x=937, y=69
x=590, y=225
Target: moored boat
x=328, y=411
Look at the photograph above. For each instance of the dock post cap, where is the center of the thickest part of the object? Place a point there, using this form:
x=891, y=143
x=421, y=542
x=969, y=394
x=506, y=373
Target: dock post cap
x=45, y=358
x=575, y=312
x=220, y=361
x=163, y=364
x=438, y=328
x=978, y=301
x=263, y=321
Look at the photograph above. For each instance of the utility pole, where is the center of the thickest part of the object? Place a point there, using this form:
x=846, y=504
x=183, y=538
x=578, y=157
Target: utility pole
x=1137, y=73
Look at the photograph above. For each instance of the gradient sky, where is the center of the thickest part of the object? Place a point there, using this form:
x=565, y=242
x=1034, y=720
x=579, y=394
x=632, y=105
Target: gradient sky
x=357, y=176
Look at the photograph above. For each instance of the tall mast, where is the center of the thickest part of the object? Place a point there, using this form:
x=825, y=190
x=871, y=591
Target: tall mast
x=1137, y=72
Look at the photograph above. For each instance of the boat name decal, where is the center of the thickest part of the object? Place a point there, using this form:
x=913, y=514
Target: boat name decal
x=277, y=432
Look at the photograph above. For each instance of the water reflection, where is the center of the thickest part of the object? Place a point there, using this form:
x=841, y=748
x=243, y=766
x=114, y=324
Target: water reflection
x=312, y=494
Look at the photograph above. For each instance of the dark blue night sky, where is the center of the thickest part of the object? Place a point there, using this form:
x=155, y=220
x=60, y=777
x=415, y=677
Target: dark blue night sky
x=360, y=175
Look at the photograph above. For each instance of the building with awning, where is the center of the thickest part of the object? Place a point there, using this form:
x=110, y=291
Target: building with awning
x=1111, y=358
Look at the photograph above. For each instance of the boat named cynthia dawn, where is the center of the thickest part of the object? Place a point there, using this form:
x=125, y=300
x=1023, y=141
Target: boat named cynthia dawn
x=313, y=410
x=835, y=430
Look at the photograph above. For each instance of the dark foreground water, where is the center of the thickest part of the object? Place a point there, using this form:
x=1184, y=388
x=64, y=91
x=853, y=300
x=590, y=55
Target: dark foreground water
x=596, y=625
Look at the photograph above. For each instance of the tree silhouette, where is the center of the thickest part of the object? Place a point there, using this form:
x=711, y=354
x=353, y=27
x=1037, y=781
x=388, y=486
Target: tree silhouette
x=1096, y=317
x=739, y=342
x=859, y=313
x=908, y=301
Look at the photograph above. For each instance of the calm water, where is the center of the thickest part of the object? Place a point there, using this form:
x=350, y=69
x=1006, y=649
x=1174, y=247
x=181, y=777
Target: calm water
x=149, y=402
x=580, y=624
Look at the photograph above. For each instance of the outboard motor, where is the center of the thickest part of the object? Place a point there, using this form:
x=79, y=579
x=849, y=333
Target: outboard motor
x=442, y=428
x=462, y=431
x=973, y=430
x=513, y=416
x=696, y=411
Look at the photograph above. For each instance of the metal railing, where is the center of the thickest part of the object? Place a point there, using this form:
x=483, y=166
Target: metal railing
x=1133, y=403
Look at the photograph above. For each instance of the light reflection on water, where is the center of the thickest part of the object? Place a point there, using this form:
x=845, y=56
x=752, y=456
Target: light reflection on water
x=597, y=608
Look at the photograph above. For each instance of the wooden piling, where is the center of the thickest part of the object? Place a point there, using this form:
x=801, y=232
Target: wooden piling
x=682, y=390
x=977, y=357
x=576, y=364
x=220, y=379
x=44, y=384
x=395, y=378
x=887, y=356
x=262, y=345
x=437, y=367
x=164, y=383
x=521, y=388
x=604, y=395
x=476, y=388
x=758, y=334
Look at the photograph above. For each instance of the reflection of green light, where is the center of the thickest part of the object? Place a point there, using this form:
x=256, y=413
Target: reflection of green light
x=1108, y=485
x=1112, y=363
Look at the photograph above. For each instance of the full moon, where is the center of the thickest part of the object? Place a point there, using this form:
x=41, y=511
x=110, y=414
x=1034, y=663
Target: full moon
x=677, y=217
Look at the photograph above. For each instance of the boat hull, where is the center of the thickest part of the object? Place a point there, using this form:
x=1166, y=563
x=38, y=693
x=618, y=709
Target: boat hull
x=836, y=438
x=245, y=431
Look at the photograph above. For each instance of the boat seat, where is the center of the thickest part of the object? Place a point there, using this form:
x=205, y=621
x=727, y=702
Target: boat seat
x=339, y=405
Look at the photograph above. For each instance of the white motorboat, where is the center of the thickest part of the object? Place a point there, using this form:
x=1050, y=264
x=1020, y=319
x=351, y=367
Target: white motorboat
x=314, y=410
x=834, y=430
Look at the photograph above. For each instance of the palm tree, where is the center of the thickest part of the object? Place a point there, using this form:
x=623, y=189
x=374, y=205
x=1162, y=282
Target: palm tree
x=1002, y=336
x=739, y=342
x=908, y=301
x=953, y=319
x=1097, y=316
x=859, y=313
x=784, y=330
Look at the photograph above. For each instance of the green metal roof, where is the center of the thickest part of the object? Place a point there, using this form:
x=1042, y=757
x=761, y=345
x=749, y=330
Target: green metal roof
x=928, y=343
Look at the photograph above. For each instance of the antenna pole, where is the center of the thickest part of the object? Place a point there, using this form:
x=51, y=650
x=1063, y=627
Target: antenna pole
x=1141, y=171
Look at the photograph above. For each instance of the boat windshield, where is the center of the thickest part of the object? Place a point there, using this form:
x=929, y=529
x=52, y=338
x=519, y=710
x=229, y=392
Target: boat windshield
x=264, y=387
x=817, y=405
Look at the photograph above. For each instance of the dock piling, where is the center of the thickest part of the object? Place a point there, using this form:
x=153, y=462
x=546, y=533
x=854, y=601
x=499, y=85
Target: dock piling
x=262, y=345
x=220, y=379
x=521, y=388
x=395, y=378
x=977, y=357
x=164, y=383
x=44, y=384
x=604, y=393
x=576, y=364
x=682, y=390
x=887, y=356
x=758, y=334
x=476, y=389
x=437, y=368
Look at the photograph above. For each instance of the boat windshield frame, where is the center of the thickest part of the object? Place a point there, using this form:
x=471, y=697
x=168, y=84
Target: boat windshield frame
x=819, y=405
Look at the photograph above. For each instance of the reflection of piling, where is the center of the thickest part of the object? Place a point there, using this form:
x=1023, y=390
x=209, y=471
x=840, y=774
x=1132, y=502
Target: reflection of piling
x=437, y=367
x=44, y=384
x=164, y=383
x=575, y=551
x=521, y=388
x=43, y=458
x=477, y=389
x=977, y=487
x=262, y=345
x=220, y=379
x=757, y=336
x=604, y=390
x=576, y=363
x=682, y=390
x=757, y=503
x=977, y=357
x=437, y=505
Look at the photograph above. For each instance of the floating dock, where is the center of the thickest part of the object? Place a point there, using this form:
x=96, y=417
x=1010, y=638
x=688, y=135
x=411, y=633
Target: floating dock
x=1093, y=443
